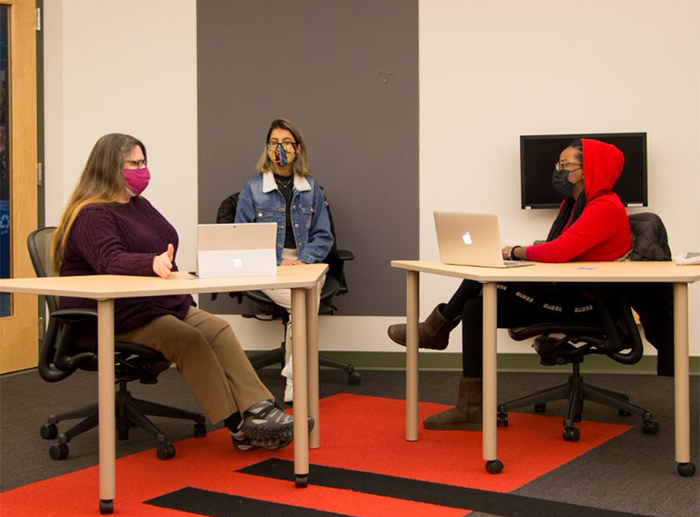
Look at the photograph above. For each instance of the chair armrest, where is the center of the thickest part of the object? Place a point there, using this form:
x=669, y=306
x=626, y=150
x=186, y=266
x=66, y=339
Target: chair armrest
x=344, y=255
x=64, y=359
x=75, y=315
x=258, y=297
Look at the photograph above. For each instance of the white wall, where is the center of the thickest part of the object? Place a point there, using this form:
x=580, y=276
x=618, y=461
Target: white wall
x=489, y=71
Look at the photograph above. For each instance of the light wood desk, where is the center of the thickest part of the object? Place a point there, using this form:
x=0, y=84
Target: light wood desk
x=106, y=288
x=666, y=272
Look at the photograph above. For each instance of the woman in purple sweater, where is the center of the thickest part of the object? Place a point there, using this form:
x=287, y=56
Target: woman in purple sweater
x=108, y=228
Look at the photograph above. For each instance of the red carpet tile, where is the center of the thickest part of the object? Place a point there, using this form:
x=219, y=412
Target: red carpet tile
x=357, y=432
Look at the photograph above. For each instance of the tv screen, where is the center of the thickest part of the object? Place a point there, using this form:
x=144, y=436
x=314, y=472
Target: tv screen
x=539, y=153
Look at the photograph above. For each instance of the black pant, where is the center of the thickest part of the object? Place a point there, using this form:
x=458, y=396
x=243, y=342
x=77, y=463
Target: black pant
x=519, y=304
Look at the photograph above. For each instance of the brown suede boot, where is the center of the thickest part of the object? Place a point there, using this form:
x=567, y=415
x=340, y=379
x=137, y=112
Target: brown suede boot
x=433, y=333
x=466, y=415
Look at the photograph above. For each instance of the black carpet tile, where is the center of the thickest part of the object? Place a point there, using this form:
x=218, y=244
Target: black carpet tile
x=217, y=504
x=496, y=503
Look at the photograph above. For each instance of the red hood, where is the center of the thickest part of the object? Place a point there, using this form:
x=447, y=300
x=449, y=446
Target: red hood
x=602, y=165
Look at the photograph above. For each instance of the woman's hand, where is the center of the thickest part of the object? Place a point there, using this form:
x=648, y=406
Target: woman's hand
x=514, y=253
x=290, y=262
x=163, y=263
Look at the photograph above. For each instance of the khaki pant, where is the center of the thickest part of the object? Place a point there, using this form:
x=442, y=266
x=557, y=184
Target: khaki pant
x=209, y=358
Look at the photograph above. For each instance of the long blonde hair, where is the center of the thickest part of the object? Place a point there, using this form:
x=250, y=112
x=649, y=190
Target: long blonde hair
x=102, y=181
x=301, y=164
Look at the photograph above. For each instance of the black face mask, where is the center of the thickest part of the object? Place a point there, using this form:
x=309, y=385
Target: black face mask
x=561, y=184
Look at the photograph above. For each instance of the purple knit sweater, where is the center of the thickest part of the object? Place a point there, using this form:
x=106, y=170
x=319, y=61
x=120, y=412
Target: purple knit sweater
x=122, y=239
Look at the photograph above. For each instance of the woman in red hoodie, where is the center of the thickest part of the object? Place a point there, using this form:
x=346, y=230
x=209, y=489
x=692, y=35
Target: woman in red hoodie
x=592, y=225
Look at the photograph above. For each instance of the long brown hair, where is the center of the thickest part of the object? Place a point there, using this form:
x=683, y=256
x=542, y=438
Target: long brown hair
x=301, y=164
x=102, y=181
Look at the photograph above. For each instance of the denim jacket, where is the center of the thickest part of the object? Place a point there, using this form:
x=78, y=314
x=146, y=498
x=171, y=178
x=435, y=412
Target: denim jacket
x=261, y=201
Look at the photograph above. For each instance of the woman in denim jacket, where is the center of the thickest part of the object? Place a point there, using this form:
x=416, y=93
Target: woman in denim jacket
x=285, y=193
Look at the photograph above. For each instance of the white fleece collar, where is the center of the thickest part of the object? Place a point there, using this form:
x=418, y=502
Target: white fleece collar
x=269, y=183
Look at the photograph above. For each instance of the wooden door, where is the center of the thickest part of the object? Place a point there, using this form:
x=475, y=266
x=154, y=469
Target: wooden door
x=18, y=193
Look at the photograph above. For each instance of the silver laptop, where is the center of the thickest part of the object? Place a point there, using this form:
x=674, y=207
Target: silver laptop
x=244, y=249
x=471, y=240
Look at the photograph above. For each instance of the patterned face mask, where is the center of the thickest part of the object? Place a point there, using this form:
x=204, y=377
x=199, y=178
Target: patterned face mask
x=282, y=153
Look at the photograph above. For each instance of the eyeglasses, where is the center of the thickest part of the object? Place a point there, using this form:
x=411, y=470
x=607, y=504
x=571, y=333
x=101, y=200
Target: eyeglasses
x=135, y=164
x=285, y=143
x=561, y=166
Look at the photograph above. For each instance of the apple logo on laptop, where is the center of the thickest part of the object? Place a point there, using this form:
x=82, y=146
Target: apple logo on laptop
x=467, y=238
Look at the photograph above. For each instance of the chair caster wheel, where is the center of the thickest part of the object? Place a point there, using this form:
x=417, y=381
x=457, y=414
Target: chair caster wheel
x=494, y=466
x=200, y=430
x=541, y=408
x=686, y=469
x=502, y=420
x=48, y=431
x=106, y=506
x=354, y=378
x=572, y=434
x=165, y=451
x=650, y=427
x=58, y=451
x=302, y=481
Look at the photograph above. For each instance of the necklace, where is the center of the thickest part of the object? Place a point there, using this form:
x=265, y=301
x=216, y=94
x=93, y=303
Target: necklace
x=283, y=185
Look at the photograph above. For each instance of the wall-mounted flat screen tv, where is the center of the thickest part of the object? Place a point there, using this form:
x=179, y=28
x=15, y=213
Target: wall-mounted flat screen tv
x=539, y=153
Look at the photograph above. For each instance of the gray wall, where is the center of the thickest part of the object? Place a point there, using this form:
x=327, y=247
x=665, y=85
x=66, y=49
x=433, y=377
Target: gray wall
x=347, y=74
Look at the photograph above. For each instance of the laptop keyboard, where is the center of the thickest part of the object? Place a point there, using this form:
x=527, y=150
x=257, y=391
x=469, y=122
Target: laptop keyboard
x=516, y=263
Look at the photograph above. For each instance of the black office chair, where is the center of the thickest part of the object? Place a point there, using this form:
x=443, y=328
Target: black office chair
x=267, y=310
x=615, y=335
x=59, y=359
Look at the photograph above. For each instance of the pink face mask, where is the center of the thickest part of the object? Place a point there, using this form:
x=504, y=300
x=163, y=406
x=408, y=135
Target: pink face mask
x=137, y=180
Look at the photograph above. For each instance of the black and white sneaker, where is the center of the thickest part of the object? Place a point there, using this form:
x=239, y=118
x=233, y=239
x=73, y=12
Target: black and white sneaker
x=266, y=420
x=242, y=443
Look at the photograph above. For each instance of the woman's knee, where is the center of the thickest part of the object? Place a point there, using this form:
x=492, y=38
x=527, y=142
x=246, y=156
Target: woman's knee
x=210, y=325
x=190, y=343
x=473, y=310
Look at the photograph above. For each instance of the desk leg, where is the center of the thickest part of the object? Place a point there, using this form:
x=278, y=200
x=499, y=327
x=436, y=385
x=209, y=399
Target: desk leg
x=490, y=438
x=301, y=392
x=412, y=295
x=682, y=379
x=107, y=430
x=312, y=362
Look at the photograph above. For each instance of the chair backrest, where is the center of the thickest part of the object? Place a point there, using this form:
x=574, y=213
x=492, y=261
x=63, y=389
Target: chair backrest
x=653, y=302
x=39, y=243
x=650, y=238
x=51, y=368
